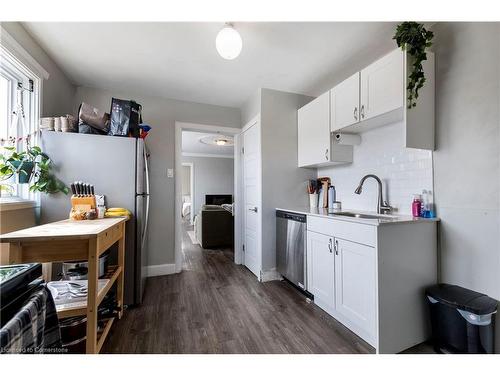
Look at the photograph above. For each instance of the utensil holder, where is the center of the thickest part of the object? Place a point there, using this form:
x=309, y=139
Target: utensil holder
x=313, y=200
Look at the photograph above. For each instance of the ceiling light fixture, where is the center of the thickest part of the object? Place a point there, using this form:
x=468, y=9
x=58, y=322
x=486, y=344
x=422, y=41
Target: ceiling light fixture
x=217, y=140
x=228, y=42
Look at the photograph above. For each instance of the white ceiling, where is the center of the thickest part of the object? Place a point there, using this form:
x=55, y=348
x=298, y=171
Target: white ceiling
x=179, y=60
x=191, y=144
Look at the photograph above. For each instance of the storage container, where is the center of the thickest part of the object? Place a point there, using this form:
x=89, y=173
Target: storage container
x=463, y=321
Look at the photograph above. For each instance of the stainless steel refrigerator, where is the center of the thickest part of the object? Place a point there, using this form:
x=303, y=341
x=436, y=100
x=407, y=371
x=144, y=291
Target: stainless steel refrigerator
x=118, y=169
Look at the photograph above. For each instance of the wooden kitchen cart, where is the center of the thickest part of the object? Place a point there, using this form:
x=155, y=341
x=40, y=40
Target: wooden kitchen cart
x=70, y=240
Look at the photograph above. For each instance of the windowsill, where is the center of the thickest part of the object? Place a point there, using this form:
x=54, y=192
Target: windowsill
x=15, y=203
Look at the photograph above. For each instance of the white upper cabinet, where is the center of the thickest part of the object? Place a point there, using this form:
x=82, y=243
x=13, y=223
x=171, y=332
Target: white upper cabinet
x=314, y=131
x=382, y=86
x=345, y=109
x=376, y=96
x=315, y=147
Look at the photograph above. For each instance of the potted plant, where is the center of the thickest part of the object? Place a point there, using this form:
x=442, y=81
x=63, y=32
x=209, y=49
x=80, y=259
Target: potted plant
x=18, y=163
x=413, y=38
x=31, y=165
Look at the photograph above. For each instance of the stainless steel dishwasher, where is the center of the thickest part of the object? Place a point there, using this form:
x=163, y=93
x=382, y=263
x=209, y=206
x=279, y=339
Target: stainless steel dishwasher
x=291, y=247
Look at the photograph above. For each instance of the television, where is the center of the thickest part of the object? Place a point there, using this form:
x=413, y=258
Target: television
x=218, y=199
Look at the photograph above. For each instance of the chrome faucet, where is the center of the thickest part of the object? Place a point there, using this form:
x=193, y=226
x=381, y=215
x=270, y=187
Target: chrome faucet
x=382, y=206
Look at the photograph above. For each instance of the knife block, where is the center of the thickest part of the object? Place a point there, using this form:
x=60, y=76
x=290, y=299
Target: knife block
x=83, y=203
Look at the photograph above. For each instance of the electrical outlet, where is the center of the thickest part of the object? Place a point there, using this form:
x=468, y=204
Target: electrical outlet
x=170, y=173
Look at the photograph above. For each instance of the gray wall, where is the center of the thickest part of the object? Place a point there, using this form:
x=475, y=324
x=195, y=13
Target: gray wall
x=211, y=176
x=283, y=183
x=466, y=162
x=58, y=90
x=251, y=108
x=162, y=113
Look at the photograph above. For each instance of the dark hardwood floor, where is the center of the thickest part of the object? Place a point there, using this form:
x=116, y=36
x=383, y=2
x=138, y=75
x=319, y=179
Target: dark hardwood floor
x=215, y=306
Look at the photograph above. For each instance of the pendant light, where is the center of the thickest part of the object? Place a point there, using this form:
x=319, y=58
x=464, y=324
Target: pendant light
x=228, y=42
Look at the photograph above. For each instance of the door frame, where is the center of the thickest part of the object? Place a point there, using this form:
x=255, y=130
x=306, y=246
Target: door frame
x=239, y=257
x=179, y=128
x=191, y=190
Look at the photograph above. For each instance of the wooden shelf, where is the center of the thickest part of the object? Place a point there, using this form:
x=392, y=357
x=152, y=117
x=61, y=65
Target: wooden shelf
x=68, y=240
x=101, y=337
x=80, y=308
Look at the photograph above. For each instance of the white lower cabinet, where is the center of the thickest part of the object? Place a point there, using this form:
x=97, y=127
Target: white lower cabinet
x=355, y=288
x=372, y=278
x=341, y=276
x=320, y=265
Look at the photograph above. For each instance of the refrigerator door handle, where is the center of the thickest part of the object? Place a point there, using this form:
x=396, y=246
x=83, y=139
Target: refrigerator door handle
x=146, y=167
x=146, y=219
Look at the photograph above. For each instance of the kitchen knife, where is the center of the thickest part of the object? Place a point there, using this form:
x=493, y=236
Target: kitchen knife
x=73, y=189
x=77, y=188
x=84, y=185
x=92, y=189
x=87, y=189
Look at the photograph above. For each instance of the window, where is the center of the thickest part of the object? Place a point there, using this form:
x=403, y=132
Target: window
x=19, y=114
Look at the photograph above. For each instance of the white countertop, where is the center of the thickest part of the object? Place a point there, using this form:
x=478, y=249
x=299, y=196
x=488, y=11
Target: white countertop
x=386, y=219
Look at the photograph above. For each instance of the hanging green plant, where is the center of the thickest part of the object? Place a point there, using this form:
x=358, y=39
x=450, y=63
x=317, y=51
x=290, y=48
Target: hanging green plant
x=31, y=165
x=413, y=38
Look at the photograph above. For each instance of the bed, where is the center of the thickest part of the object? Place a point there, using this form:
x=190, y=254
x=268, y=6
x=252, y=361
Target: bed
x=186, y=206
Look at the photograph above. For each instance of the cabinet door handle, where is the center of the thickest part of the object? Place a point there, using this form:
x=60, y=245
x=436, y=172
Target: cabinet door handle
x=330, y=244
x=336, y=247
x=326, y=154
x=362, y=111
x=356, y=113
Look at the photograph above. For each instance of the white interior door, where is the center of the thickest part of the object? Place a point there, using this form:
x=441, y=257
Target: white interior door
x=252, y=192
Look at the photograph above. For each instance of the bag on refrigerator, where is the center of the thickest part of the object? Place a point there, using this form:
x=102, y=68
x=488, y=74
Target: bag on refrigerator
x=92, y=120
x=125, y=118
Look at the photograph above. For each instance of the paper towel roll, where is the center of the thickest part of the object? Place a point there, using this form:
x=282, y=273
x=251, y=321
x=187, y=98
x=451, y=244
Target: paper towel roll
x=347, y=139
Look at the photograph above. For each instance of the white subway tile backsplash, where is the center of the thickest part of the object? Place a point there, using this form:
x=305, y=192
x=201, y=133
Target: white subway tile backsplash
x=403, y=171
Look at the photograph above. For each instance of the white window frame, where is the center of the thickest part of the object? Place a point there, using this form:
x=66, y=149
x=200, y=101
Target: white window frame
x=17, y=63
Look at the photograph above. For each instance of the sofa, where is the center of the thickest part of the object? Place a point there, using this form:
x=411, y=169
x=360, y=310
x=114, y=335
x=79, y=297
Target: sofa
x=214, y=227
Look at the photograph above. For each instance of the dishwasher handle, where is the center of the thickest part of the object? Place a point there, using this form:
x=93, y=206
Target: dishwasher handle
x=291, y=216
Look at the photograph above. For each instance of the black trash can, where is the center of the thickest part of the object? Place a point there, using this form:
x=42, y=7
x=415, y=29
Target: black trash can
x=463, y=321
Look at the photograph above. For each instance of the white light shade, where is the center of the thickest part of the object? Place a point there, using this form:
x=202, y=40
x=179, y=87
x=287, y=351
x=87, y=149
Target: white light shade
x=228, y=43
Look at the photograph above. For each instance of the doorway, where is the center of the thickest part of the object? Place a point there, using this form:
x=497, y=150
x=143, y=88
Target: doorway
x=199, y=194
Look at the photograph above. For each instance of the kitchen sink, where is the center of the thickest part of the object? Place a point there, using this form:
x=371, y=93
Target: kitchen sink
x=364, y=216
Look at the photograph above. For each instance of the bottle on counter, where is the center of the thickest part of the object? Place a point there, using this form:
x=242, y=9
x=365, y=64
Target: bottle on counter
x=331, y=197
x=416, y=206
x=432, y=211
x=427, y=204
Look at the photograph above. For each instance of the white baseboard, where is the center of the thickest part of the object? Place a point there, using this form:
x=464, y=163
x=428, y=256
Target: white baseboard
x=270, y=275
x=160, y=269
